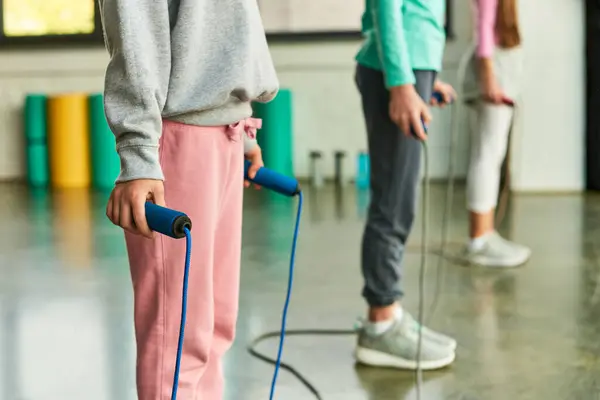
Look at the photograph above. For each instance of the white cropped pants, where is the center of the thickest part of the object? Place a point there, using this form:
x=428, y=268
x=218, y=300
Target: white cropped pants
x=489, y=142
x=491, y=126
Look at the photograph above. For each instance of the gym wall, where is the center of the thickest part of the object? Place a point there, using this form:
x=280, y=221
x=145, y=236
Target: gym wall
x=547, y=153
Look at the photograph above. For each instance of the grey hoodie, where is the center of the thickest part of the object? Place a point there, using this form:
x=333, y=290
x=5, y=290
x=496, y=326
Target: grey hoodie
x=199, y=62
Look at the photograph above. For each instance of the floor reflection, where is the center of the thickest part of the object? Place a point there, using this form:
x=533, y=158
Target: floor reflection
x=530, y=333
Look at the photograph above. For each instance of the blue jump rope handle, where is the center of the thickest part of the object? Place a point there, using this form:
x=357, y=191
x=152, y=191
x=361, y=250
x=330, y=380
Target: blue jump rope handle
x=273, y=180
x=167, y=221
x=173, y=223
x=440, y=99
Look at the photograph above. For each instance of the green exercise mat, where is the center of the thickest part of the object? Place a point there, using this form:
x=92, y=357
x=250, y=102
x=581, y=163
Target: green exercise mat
x=36, y=150
x=104, y=157
x=37, y=164
x=276, y=136
x=35, y=117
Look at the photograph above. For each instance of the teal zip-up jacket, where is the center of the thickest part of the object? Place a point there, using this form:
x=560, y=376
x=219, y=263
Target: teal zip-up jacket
x=402, y=36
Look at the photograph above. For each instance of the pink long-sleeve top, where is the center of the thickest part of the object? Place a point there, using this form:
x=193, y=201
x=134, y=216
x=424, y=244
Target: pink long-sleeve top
x=485, y=21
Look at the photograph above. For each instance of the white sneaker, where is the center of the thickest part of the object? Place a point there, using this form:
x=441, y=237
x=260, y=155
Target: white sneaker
x=498, y=252
x=431, y=335
x=398, y=347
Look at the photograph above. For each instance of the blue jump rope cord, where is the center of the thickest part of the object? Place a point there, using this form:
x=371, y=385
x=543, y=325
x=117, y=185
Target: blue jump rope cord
x=287, y=297
x=186, y=273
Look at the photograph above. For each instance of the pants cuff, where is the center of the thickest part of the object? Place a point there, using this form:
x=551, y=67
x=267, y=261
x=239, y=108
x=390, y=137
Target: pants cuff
x=381, y=301
x=481, y=208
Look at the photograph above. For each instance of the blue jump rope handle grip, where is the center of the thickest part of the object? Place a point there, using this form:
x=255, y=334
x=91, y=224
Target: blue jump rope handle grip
x=273, y=180
x=440, y=99
x=167, y=221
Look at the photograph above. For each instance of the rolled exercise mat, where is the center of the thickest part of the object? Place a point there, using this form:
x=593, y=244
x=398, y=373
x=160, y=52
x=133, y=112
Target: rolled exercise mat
x=276, y=136
x=36, y=148
x=68, y=141
x=105, y=162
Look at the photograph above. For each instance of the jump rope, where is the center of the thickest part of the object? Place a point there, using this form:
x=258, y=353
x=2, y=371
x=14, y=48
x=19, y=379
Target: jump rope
x=178, y=225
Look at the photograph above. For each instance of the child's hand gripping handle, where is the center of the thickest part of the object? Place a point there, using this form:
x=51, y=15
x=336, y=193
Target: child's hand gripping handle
x=439, y=97
x=273, y=180
x=167, y=221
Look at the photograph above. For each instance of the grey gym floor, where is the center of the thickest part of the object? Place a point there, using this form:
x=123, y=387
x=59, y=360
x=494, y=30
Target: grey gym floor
x=529, y=333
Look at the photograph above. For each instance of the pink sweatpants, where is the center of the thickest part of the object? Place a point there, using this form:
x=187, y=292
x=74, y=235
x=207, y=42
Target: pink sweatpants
x=203, y=168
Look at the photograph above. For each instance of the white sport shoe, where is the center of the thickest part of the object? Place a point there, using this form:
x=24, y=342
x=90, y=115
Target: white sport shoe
x=498, y=252
x=430, y=335
x=398, y=347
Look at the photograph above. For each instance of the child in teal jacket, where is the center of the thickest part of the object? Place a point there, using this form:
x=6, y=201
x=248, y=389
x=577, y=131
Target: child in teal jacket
x=396, y=75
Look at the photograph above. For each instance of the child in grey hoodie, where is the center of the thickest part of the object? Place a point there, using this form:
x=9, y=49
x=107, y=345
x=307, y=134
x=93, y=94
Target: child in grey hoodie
x=178, y=92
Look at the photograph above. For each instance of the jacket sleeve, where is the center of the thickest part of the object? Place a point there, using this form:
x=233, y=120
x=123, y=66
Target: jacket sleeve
x=137, y=36
x=393, y=50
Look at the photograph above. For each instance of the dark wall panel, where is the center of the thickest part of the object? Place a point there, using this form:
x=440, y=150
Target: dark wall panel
x=593, y=94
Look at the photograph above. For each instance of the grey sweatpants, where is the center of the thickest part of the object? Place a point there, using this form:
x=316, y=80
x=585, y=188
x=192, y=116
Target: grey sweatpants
x=395, y=164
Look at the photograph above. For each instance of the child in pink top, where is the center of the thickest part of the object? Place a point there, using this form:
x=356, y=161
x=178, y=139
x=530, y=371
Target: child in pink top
x=488, y=42
x=495, y=71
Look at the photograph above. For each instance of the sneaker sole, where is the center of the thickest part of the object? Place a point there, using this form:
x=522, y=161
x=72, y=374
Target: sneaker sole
x=379, y=359
x=484, y=262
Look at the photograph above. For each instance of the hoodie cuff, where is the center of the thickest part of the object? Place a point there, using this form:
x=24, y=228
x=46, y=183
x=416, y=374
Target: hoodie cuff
x=139, y=162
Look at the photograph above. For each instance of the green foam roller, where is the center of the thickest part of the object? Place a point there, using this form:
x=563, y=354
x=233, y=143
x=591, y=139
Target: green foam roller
x=276, y=136
x=104, y=157
x=35, y=118
x=36, y=150
x=37, y=165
